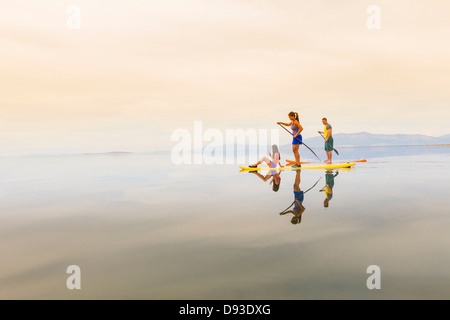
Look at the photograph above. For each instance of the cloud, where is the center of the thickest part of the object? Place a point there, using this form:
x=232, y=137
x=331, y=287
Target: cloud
x=234, y=61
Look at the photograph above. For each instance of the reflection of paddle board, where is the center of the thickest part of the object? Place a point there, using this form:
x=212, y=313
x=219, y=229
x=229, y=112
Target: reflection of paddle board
x=321, y=166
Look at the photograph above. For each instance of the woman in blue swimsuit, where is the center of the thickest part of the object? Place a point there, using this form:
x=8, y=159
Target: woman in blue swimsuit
x=296, y=132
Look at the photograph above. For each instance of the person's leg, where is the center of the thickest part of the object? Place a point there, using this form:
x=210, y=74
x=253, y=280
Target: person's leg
x=263, y=159
x=296, y=154
x=329, y=148
x=266, y=160
x=256, y=164
x=297, y=181
x=328, y=157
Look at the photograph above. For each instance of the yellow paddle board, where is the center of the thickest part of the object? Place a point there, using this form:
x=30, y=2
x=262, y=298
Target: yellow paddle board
x=320, y=166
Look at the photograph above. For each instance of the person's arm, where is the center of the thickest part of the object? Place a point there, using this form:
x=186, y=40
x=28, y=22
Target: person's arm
x=301, y=207
x=285, y=124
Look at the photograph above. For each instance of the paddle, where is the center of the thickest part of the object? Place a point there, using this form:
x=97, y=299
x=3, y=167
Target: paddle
x=300, y=142
x=329, y=144
x=300, y=196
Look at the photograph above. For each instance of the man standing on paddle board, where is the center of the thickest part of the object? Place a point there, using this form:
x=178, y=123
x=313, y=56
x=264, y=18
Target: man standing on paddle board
x=328, y=139
x=297, y=140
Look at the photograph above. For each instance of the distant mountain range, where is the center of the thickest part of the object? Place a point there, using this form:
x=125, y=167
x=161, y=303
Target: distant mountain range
x=361, y=139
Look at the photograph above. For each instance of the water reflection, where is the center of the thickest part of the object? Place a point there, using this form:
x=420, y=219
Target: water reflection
x=274, y=174
x=299, y=197
x=328, y=189
x=103, y=211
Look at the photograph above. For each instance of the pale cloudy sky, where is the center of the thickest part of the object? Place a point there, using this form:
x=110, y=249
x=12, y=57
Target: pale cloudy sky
x=137, y=70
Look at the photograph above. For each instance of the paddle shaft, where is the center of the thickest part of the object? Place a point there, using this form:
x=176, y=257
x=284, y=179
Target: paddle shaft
x=301, y=142
x=329, y=144
x=334, y=176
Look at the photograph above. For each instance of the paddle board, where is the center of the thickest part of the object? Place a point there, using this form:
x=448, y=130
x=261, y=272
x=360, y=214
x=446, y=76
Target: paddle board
x=320, y=166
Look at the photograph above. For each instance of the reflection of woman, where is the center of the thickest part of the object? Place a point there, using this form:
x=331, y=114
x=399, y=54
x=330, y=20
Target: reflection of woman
x=298, y=209
x=329, y=179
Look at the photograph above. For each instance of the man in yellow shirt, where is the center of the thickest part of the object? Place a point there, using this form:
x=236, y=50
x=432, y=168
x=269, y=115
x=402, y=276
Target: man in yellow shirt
x=328, y=139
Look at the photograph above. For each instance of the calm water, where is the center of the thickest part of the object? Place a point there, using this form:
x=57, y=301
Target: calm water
x=142, y=228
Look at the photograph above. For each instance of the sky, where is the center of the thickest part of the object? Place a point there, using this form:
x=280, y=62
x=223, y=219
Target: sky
x=138, y=70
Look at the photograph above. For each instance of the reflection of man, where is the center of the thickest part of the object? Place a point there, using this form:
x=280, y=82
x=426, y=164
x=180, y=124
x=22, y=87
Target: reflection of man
x=298, y=209
x=329, y=179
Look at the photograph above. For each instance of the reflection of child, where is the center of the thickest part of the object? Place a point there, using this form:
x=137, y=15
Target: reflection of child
x=276, y=179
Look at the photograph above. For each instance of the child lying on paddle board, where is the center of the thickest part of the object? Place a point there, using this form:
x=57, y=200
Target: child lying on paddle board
x=273, y=162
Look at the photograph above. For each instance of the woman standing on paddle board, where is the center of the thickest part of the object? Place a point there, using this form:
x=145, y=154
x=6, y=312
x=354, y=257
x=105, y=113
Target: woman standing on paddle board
x=297, y=140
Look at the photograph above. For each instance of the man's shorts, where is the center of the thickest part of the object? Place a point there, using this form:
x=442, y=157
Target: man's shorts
x=329, y=144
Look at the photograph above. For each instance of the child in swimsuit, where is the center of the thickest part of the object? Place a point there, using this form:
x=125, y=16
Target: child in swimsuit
x=273, y=162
